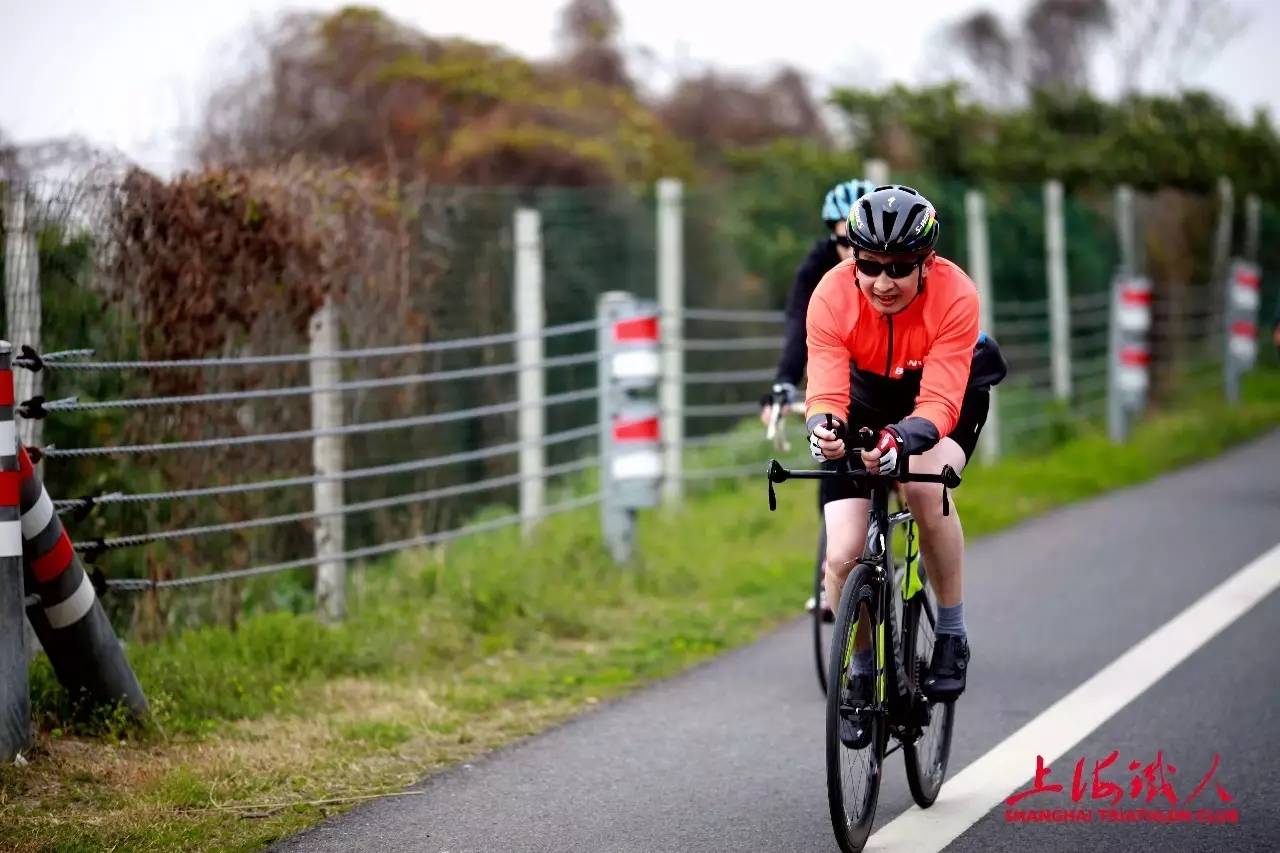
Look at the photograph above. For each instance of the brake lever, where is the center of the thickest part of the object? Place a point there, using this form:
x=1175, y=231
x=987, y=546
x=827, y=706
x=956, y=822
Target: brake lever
x=950, y=479
x=776, y=474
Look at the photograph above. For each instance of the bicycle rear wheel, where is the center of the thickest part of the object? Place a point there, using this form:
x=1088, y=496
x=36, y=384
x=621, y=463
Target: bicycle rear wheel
x=926, y=758
x=853, y=775
x=821, y=622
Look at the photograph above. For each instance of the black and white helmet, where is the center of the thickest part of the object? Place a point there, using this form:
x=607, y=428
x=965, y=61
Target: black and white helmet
x=895, y=220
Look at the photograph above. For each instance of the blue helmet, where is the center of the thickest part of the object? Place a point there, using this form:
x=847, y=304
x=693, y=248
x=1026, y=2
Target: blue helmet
x=839, y=202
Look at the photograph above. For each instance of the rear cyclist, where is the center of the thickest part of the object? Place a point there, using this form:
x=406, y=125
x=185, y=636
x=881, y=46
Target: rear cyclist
x=907, y=319
x=825, y=254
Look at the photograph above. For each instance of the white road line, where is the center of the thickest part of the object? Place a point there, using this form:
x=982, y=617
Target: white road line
x=987, y=781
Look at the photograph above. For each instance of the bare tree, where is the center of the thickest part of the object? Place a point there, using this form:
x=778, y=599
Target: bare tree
x=1154, y=43
x=589, y=40
x=991, y=53
x=714, y=110
x=1157, y=42
x=1059, y=36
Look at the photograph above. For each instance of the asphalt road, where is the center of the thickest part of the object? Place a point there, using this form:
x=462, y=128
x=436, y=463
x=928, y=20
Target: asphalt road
x=729, y=756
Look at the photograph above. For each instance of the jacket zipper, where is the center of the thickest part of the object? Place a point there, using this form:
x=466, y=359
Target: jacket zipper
x=888, y=359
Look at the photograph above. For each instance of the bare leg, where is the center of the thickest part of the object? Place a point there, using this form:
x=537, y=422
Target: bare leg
x=941, y=536
x=846, y=537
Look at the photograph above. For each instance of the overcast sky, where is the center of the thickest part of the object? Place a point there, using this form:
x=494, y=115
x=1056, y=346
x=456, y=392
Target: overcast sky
x=133, y=73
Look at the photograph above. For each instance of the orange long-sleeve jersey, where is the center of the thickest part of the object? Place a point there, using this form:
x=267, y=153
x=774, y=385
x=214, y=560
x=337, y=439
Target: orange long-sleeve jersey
x=913, y=364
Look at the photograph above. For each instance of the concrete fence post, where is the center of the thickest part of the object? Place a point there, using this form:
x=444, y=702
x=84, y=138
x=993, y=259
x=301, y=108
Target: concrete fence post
x=1252, y=227
x=1059, y=303
x=671, y=307
x=876, y=171
x=327, y=457
x=979, y=251
x=530, y=321
x=22, y=302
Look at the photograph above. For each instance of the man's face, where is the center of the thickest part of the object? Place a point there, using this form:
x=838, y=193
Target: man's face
x=889, y=282
x=838, y=234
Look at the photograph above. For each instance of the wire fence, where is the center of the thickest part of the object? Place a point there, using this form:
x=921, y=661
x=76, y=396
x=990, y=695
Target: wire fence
x=180, y=466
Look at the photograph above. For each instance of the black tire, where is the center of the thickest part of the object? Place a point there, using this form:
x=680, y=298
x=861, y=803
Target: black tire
x=821, y=627
x=926, y=758
x=853, y=776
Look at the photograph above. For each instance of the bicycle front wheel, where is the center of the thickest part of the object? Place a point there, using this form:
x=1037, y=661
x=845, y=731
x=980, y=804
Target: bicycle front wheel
x=926, y=757
x=853, y=775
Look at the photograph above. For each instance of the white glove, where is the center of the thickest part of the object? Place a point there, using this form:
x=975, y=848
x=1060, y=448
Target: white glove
x=815, y=450
x=787, y=390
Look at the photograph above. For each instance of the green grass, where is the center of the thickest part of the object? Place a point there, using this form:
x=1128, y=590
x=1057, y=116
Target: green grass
x=450, y=652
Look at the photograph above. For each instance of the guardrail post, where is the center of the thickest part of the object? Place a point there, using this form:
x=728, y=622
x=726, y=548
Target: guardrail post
x=975, y=217
x=1129, y=361
x=64, y=609
x=1059, y=306
x=630, y=459
x=327, y=453
x=671, y=305
x=529, y=357
x=15, y=701
x=1240, y=312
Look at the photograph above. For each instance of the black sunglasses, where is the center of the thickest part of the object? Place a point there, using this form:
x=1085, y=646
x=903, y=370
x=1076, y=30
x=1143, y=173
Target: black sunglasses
x=895, y=269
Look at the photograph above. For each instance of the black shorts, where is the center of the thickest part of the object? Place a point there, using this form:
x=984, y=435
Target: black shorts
x=973, y=415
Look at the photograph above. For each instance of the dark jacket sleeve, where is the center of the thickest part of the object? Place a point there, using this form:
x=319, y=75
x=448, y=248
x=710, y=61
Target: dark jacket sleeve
x=821, y=258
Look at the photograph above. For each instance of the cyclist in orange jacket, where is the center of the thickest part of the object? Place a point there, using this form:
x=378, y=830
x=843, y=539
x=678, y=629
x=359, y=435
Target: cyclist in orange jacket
x=907, y=319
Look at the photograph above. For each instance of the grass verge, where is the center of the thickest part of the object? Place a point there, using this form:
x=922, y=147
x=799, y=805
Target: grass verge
x=449, y=653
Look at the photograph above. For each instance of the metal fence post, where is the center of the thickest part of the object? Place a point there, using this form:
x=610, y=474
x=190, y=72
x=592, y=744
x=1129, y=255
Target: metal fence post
x=15, y=701
x=671, y=306
x=1059, y=307
x=529, y=355
x=975, y=217
x=327, y=453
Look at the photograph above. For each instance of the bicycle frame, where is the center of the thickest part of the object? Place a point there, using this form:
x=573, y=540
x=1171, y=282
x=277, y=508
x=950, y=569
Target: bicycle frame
x=878, y=554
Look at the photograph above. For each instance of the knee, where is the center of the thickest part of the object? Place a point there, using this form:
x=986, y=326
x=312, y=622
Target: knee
x=925, y=502
x=842, y=555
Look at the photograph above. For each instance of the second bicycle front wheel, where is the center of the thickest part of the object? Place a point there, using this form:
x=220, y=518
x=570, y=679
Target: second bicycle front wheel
x=853, y=775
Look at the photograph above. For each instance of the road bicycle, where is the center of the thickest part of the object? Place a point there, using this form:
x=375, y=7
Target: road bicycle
x=883, y=596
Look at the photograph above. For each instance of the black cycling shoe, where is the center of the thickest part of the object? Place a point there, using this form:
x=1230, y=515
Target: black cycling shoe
x=944, y=680
x=855, y=726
